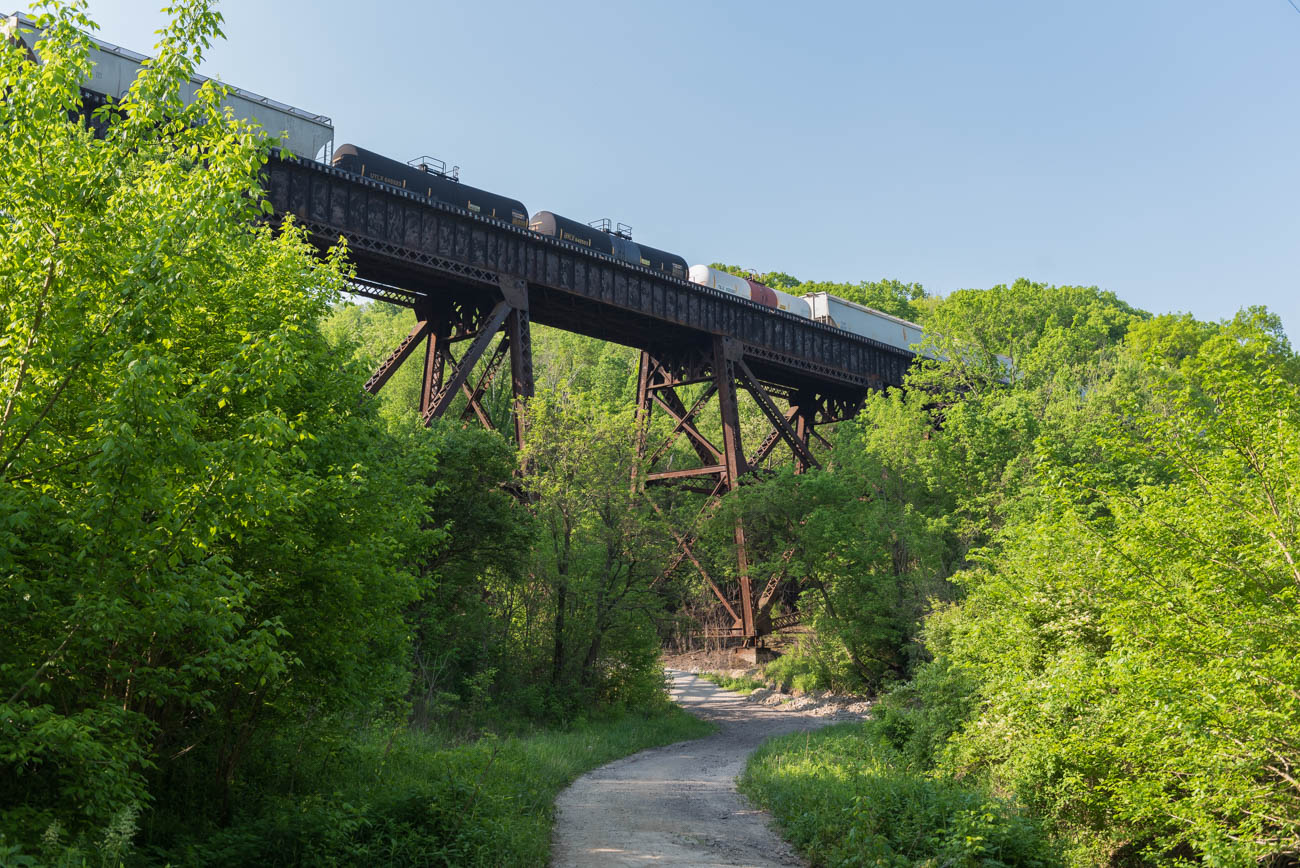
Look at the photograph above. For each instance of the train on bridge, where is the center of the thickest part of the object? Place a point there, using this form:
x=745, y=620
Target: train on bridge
x=114, y=68
x=429, y=178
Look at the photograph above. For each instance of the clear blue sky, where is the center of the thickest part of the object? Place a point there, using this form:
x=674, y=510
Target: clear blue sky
x=1148, y=147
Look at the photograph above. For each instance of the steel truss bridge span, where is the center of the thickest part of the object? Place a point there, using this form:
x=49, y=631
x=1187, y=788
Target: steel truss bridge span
x=469, y=278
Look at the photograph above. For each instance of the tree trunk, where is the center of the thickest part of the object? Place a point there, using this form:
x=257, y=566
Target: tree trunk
x=561, y=601
x=557, y=657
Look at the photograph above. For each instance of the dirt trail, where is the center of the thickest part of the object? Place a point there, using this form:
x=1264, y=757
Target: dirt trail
x=677, y=805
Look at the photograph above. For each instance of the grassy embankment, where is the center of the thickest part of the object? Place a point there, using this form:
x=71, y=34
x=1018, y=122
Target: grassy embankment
x=743, y=685
x=413, y=800
x=846, y=796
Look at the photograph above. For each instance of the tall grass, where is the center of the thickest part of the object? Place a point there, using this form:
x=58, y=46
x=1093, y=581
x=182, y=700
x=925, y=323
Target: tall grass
x=410, y=799
x=743, y=685
x=845, y=796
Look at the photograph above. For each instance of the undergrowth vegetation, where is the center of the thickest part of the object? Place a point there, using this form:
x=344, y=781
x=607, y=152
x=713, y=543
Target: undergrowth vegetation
x=810, y=665
x=845, y=795
x=741, y=684
x=408, y=798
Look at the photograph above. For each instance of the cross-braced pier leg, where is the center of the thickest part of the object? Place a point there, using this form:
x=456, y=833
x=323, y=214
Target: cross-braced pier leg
x=723, y=464
x=442, y=323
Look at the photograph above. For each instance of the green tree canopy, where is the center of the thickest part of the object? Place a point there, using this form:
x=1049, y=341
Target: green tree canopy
x=201, y=528
x=1133, y=638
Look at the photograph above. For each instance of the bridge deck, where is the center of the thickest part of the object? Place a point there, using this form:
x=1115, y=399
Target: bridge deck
x=399, y=239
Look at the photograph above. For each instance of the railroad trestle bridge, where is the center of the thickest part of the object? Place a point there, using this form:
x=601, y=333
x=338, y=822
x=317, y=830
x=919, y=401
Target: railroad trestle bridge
x=468, y=278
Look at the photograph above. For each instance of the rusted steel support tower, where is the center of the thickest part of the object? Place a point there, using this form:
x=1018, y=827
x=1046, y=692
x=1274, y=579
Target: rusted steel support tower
x=444, y=320
x=721, y=368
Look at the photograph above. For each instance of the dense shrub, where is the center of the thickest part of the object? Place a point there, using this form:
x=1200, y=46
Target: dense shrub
x=812, y=664
x=1134, y=643
x=844, y=796
x=917, y=718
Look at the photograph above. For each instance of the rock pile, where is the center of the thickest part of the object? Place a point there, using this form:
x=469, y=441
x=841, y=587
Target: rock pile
x=819, y=703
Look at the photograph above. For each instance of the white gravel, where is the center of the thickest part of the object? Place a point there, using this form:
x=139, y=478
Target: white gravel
x=677, y=805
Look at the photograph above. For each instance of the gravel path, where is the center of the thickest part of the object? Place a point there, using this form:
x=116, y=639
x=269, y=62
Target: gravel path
x=677, y=805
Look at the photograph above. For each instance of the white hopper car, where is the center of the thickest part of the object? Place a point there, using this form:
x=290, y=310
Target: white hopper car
x=819, y=306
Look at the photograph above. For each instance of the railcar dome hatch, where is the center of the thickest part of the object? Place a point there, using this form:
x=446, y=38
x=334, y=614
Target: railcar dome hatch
x=619, y=230
x=434, y=166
